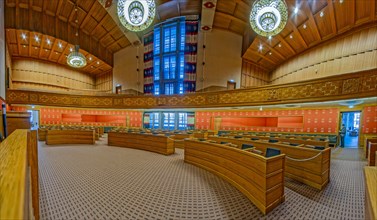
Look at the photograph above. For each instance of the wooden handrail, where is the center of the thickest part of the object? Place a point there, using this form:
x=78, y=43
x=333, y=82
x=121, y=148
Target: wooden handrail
x=18, y=152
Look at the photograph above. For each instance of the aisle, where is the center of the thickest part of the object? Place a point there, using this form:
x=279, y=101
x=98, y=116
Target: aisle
x=101, y=182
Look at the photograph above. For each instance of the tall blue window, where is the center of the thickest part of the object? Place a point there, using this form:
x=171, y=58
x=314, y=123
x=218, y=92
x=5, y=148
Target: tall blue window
x=169, y=59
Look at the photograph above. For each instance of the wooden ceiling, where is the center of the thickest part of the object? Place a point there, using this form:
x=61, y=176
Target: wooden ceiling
x=98, y=33
x=101, y=37
x=316, y=21
x=27, y=44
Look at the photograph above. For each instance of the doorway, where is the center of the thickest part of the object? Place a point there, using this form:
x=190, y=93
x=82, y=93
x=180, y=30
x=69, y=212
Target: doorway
x=34, y=119
x=351, y=121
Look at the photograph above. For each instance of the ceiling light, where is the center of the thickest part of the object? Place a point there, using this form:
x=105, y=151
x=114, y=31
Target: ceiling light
x=295, y=10
x=290, y=36
x=70, y=49
x=24, y=45
x=98, y=62
x=260, y=47
x=60, y=45
x=261, y=108
x=136, y=15
x=48, y=41
x=23, y=36
x=270, y=53
x=304, y=26
x=35, y=47
x=279, y=45
x=269, y=37
x=321, y=14
x=36, y=38
x=340, y=1
x=268, y=17
x=76, y=59
x=90, y=58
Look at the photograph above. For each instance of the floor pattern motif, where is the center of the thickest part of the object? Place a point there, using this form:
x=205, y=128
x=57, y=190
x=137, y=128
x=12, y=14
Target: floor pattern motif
x=101, y=182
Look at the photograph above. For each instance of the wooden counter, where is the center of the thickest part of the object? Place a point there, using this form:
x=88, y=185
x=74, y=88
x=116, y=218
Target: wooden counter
x=314, y=172
x=19, y=176
x=18, y=120
x=156, y=143
x=54, y=137
x=259, y=178
x=370, y=192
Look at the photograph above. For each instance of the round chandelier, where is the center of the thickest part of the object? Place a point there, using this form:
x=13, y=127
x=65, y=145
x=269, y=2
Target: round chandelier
x=76, y=59
x=268, y=17
x=136, y=15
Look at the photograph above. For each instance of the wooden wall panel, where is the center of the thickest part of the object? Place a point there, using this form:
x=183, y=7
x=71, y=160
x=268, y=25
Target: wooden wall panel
x=355, y=52
x=32, y=74
x=104, y=82
x=252, y=75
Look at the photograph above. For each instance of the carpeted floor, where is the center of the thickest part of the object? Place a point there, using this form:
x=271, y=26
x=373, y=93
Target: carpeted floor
x=101, y=182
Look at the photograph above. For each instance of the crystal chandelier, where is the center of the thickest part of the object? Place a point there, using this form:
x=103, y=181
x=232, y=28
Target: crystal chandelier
x=136, y=15
x=76, y=59
x=268, y=17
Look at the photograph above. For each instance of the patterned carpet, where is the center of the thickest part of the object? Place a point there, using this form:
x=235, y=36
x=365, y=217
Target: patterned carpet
x=101, y=182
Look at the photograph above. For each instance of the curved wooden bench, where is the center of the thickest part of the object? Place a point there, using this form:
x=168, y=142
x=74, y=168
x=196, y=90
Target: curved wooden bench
x=179, y=140
x=259, y=178
x=155, y=143
x=314, y=172
x=70, y=137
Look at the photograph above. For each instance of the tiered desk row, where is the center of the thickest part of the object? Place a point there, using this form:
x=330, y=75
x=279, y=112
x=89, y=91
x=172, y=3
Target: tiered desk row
x=331, y=138
x=261, y=179
x=307, y=164
x=144, y=141
x=69, y=135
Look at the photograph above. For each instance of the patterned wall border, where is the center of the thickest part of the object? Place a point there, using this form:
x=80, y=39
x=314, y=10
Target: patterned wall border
x=346, y=86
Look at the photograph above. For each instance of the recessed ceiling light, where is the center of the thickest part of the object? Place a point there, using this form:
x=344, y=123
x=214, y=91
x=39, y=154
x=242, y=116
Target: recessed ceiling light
x=260, y=47
x=24, y=45
x=35, y=47
x=98, y=62
x=90, y=58
x=321, y=14
x=70, y=49
x=295, y=10
x=269, y=37
x=304, y=26
x=60, y=45
x=36, y=38
x=279, y=45
x=290, y=36
x=46, y=50
x=48, y=41
x=23, y=36
x=270, y=53
x=340, y=1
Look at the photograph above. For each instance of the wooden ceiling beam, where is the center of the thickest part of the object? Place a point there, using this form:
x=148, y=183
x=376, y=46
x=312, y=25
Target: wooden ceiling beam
x=262, y=56
x=297, y=33
x=373, y=15
x=18, y=42
x=65, y=50
x=41, y=46
x=285, y=43
x=52, y=48
x=30, y=44
x=230, y=17
x=332, y=16
x=308, y=12
x=87, y=16
x=17, y=15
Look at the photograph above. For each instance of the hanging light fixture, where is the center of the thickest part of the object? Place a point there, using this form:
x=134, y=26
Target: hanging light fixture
x=136, y=15
x=76, y=59
x=268, y=17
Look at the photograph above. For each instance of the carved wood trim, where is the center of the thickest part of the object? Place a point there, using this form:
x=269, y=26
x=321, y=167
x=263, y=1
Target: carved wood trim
x=346, y=86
